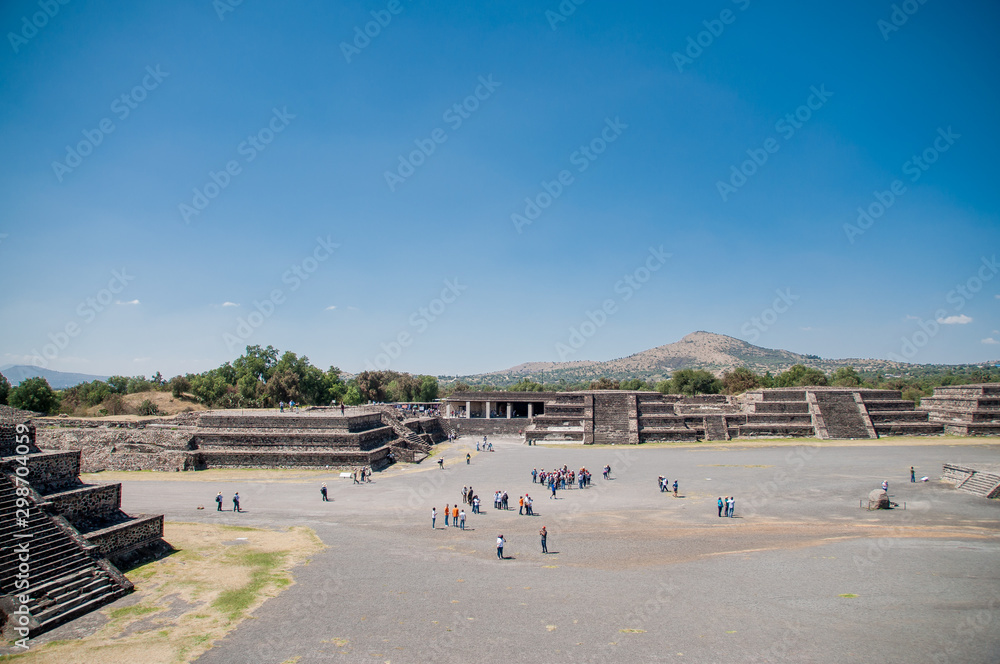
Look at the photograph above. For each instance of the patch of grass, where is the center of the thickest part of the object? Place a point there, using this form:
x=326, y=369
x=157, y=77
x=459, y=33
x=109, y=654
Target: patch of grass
x=132, y=611
x=848, y=595
x=235, y=602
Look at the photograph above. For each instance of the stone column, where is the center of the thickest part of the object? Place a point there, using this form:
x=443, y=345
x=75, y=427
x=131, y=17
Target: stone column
x=468, y=409
x=508, y=410
x=531, y=409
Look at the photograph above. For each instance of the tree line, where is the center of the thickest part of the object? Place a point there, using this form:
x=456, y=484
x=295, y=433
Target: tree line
x=259, y=378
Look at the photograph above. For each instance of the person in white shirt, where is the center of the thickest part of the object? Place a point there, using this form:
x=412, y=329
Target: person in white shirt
x=500, y=543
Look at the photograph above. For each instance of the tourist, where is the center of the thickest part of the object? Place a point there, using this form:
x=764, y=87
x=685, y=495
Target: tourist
x=475, y=505
x=236, y=502
x=434, y=518
x=461, y=517
x=721, y=503
x=500, y=543
x=552, y=486
x=454, y=516
x=913, y=474
x=369, y=475
x=477, y=445
x=468, y=458
x=659, y=482
x=504, y=500
x=354, y=476
x=534, y=475
x=885, y=485
x=544, y=535
x=281, y=406
x=447, y=513
x=322, y=490
x=341, y=409
x=675, y=488
x=732, y=506
x=441, y=464
x=218, y=502
x=520, y=509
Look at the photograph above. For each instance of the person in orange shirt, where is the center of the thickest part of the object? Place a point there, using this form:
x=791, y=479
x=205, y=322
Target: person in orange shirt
x=454, y=516
x=521, y=503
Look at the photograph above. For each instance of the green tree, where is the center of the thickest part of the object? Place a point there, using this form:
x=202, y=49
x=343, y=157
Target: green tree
x=34, y=394
x=664, y=386
x=118, y=384
x=800, y=376
x=845, y=377
x=740, y=380
x=179, y=385
x=353, y=396
x=604, y=383
x=257, y=363
x=4, y=390
x=428, y=389
x=633, y=384
x=526, y=385
x=694, y=381
x=283, y=385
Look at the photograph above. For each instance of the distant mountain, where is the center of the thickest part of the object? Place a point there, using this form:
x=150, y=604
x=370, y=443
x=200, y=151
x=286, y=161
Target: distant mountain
x=699, y=350
x=58, y=380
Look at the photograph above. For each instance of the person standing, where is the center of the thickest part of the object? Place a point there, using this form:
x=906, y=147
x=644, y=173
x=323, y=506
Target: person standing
x=341, y=410
x=732, y=506
x=218, y=502
x=441, y=464
x=544, y=535
x=721, y=504
x=454, y=516
x=520, y=508
x=913, y=474
x=534, y=475
x=461, y=519
x=675, y=488
x=447, y=513
x=236, y=502
x=475, y=504
x=468, y=458
x=434, y=518
x=500, y=543
x=322, y=490
x=885, y=485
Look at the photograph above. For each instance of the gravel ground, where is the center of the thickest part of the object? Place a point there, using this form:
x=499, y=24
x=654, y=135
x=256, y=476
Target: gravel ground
x=802, y=574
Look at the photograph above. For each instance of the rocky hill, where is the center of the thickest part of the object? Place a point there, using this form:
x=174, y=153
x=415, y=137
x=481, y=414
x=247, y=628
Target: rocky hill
x=699, y=350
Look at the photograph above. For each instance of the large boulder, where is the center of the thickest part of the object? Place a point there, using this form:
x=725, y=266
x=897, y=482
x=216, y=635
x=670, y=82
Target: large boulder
x=878, y=500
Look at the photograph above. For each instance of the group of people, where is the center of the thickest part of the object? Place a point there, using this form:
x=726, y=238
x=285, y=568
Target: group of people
x=470, y=498
x=664, y=484
x=486, y=446
x=561, y=478
x=291, y=406
x=456, y=515
x=236, y=502
x=363, y=475
x=727, y=506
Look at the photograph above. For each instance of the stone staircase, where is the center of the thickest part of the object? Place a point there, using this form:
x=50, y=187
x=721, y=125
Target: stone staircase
x=975, y=481
x=611, y=418
x=842, y=415
x=967, y=410
x=67, y=576
x=716, y=428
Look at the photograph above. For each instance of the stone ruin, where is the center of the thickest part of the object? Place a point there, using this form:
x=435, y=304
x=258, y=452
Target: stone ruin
x=631, y=417
x=65, y=539
x=309, y=438
x=966, y=410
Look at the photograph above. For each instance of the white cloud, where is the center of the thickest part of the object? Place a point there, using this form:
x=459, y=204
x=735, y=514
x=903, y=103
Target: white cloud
x=130, y=302
x=230, y=304
x=990, y=341
x=961, y=319
x=331, y=307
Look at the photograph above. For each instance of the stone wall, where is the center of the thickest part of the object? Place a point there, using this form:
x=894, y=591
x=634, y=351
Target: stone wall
x=48, y=472
x=350, y=423
x=493, y=426
x=105, y=448
x=118, y=541
x=87, y=502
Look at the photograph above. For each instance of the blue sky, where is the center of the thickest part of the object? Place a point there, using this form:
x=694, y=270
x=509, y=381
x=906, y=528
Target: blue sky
x=115, y=116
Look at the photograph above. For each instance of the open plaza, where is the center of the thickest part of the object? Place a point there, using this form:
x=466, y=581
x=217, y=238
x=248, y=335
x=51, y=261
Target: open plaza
x=802, y=572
